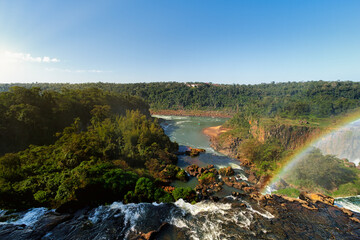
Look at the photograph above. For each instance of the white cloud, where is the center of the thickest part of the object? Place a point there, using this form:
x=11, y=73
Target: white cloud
x=26, y=57
x=75, y=71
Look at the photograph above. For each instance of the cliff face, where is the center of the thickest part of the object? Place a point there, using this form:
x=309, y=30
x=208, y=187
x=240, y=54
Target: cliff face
x=226, y=145
x=290, y=136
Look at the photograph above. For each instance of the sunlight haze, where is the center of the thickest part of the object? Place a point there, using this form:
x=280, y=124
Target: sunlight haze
x=243, y=42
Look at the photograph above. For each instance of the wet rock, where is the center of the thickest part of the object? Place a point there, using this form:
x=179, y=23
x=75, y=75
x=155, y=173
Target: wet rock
x=41, y=227
x=237, y=194
x=252, y=177
x=239, y=185
x=316, y=197
x=249, y=189
x=347, y=212
x=193, y=170
x=193, y=152
x=238, y=205
x=214, y=198
x=245, y=163
x=214, y=171
x=152, y=235
x=355, y=219
x=227, y=171
x=263, y=181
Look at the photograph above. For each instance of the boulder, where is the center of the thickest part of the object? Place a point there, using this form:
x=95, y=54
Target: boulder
x=252, y=177
x=227, y=171
x=193, y=152
x=152, y=234
x=316, y=197
x=249, y=189
x=193, y=170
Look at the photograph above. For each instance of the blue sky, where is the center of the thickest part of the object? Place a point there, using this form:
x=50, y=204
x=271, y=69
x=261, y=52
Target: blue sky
x=242, y=41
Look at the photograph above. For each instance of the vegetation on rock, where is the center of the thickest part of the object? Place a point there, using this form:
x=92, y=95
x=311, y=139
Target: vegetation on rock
x=101, y=158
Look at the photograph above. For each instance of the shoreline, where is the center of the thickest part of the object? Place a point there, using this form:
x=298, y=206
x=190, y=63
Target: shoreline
x=214, y=132
x=192, y=113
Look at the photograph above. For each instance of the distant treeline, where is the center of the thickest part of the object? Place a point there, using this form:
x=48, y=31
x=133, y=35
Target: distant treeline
x=291, y=99
x=33, y=116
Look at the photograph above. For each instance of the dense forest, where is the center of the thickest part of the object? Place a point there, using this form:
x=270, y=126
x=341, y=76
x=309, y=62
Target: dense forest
x=110, y=150
x=76, y=142
x=332, y=176
x=33, y=116
x=290, y=99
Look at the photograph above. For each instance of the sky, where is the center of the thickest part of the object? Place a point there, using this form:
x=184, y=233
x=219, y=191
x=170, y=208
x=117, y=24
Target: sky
x=127, y=41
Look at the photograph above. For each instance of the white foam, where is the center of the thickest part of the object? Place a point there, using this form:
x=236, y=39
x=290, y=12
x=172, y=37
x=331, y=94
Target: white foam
x=166, y=117
x=31, y=217
x=199, y=207
x=346, y=203
x=266, y=214
x=356, y=161
x=181, y=122
x=235, y=166
x=95, y=217
x=207, y=219
x=241, y=176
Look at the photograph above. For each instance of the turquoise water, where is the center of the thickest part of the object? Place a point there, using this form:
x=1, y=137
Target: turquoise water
x=188, y=132
x=352, y=203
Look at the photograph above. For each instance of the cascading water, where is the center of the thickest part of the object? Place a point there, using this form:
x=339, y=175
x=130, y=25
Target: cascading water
x=230, y=218
x=344, y=143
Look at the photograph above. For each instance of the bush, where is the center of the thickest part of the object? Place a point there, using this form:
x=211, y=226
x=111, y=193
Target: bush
x=187, y=194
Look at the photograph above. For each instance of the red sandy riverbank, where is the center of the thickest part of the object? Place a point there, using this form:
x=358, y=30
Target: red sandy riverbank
x=213, y=132
x=193, y=113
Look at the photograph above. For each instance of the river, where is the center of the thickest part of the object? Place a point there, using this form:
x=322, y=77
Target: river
x=230, y=218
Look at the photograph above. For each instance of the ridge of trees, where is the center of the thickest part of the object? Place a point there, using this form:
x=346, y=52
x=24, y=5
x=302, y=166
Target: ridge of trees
x=288, y=99
x=34, y=116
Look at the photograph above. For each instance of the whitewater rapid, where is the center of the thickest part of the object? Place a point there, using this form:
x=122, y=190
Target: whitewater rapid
x=230, y=218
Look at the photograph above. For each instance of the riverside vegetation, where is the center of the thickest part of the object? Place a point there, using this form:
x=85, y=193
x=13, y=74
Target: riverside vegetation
x=270, y=121
x=111, y=151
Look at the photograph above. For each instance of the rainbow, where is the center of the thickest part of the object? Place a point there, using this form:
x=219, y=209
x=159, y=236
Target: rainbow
x=337, y=125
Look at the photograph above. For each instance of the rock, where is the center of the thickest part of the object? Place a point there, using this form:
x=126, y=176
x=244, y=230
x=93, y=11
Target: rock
x=214, y=198
x=152, y=234
x=355, y=219
x=252, y=177
x=263, y=181
x=312, y=208
x=214, y=171
x=51, y=220
x=347, y=212
x=239, y=205
x=193, y=170
x=227, y=171
x=350, y=165
x=316, y=197
x=249, y=189
x=193, y=152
